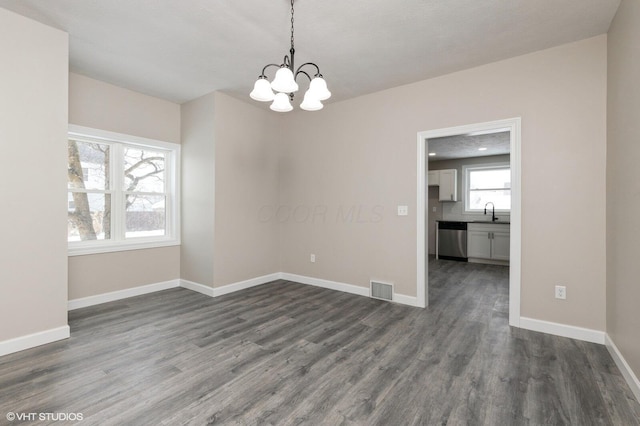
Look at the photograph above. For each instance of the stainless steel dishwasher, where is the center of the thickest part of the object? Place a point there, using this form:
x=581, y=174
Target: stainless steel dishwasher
x=452, y=240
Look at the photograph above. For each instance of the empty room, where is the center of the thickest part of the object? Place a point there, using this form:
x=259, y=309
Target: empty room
x=320, y=212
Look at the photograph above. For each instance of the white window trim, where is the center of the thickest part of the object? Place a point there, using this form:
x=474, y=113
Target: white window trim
x=172, y=238
x=465, y=184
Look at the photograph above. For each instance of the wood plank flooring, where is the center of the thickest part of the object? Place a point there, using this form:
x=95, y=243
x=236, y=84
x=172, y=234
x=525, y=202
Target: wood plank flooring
x=288, y=354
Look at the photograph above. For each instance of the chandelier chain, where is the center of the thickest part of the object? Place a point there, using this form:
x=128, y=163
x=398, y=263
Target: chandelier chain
x=291, y=24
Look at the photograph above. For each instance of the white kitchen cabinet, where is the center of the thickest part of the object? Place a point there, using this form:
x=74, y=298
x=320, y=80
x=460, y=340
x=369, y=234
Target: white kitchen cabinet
x=500, y=244
x=488, y=242
x=447, y=180
x=434, y=178
x=448, y=185
x=478, y=244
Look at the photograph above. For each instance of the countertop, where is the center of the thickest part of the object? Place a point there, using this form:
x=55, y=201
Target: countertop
x=497, y=222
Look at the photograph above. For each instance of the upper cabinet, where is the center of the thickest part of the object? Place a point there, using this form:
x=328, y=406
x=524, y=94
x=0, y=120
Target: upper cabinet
x=447, y=180
x=448, y=185
x=434, y=178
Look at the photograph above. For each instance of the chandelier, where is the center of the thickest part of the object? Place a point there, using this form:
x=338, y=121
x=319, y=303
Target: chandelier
x=284, y=84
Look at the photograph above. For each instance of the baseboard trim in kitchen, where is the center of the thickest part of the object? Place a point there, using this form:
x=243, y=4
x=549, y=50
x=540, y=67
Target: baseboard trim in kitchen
x=563, y=330
x=623, y=366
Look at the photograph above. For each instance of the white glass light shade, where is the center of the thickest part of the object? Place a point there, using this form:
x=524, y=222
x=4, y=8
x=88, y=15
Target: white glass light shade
x=262, y=91
x=284, y=81
x=319, y=88
x=311, y=102
x=281, y=103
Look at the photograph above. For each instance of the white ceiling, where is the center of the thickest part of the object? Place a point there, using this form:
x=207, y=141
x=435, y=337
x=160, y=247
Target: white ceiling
x=467, y=146
x=183, y=49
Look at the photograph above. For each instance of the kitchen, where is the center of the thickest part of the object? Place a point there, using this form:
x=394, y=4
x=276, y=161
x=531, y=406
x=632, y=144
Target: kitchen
x=469, y=197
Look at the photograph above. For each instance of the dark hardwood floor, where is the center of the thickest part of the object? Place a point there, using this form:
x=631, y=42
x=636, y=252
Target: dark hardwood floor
x=285, y=353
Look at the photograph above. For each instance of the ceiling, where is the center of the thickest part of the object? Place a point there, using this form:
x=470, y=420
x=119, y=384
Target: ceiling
x=467, y=146
x=179, y=50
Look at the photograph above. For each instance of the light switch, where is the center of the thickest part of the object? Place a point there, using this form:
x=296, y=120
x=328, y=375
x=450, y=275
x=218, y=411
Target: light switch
x=403, y=210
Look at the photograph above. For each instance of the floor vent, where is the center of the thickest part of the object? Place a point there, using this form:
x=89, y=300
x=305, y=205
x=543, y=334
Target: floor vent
x=381, y=291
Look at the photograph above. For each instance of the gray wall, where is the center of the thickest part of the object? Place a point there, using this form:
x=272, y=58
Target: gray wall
x=362, y=152
x=103, y=106
x=33, y=136
x=230, y=177
x=198, y=206
x=623, y=182
x=247, y=240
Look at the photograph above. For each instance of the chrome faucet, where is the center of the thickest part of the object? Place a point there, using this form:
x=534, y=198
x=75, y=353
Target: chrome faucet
x=493, y=213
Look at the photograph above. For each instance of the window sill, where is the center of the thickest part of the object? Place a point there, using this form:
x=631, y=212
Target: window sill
x=110, y=247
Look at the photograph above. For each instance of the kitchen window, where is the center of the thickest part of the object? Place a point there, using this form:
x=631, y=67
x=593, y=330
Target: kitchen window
x=487, y=183
x=122, y=192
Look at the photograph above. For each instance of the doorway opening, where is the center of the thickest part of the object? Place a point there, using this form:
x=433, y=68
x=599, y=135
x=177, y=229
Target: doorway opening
x=469, y=205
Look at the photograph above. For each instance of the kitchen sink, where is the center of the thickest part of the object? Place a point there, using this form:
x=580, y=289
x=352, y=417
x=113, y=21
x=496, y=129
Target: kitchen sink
x=498, y=222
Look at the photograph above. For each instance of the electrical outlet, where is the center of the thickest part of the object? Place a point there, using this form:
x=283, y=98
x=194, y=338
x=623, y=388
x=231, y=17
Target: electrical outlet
x=313, y=258
x=435, y=209
x=403, y=210
x=561, y=292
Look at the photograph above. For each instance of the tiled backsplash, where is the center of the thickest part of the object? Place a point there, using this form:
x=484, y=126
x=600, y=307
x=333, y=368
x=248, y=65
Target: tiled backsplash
x=455, y=211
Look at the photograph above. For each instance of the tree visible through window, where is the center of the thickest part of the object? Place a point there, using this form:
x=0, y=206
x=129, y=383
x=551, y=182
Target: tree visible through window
x=145, y=198
x=488, y=183
x=89, y=191
x=117, y=191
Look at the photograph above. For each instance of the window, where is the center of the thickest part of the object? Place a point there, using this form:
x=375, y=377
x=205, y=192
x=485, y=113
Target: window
x=487, y=183
x=122, y=192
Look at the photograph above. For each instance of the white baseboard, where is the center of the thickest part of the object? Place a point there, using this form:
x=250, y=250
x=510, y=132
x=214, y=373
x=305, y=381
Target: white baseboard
x=623, y=366
x=32, y=340
x=406, y=300
x=346, y=288
x=199, y=288
x=563, y=330
x=121, y=294
x=331, y=285
x=241, y=285
x=557, y=329
x=151, y=288
x=229, y=288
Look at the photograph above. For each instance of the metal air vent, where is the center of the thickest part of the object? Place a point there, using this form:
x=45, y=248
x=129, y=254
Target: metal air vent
x=381, y=290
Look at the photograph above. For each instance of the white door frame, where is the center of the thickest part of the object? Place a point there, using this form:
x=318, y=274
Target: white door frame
x=513, y=126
